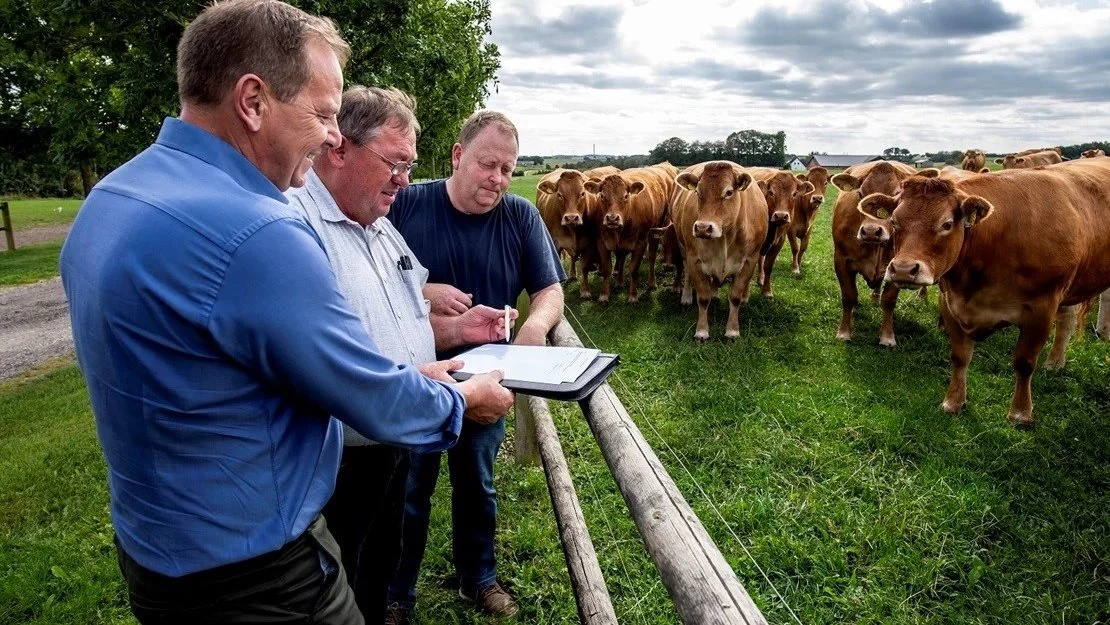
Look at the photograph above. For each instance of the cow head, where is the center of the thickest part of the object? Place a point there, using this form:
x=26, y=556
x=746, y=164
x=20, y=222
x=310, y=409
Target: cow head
x=570, y=188
x=1008, y=162
x=1092, y=153
x=718, y=188
x=819, y=178
x=614, y=199
x=806, y=204
x=929, y=220
x=781, y=189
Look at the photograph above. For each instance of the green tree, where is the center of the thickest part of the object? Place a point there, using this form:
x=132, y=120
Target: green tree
x=675, y=150
x=85, y=85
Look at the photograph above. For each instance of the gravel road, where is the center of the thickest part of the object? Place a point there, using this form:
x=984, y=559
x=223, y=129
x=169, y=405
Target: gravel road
x=34, y=318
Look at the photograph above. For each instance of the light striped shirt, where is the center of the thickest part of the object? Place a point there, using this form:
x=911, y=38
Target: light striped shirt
x=368, y=262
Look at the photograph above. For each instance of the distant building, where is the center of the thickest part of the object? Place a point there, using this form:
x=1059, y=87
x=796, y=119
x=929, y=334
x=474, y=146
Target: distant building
x=923, y=162
x=796, y=164
x=839, y=160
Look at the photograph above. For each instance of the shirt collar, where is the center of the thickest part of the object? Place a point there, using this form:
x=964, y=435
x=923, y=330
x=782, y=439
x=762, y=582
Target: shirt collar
x=185, y=137
x=329, y=209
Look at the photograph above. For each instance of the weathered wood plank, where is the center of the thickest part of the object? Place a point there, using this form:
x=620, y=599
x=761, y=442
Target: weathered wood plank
x=703, y=586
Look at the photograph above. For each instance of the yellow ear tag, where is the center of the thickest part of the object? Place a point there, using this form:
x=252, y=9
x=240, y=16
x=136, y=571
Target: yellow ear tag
x=882, y=213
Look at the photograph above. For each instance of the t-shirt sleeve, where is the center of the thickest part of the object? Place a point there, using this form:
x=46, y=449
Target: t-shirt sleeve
x=541, y=266
x=280, y=313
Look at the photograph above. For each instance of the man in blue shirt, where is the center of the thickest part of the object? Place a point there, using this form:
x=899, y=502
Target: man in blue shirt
x=490, y=247
x=215, y=342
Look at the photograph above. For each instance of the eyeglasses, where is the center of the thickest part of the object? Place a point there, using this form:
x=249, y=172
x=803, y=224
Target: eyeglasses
x=395, y=168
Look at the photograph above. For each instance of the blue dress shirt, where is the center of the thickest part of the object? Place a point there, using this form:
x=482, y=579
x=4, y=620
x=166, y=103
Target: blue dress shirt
x=215, y=343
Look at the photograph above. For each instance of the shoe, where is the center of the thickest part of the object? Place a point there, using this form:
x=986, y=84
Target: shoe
x=493, y=599
x=396, y=614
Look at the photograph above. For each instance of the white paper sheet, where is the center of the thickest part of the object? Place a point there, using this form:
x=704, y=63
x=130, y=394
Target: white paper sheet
x=529, y=363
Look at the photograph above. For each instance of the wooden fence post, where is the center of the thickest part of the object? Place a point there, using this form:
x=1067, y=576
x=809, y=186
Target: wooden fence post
x=525, y=446
x=7, y=228
x=700, y=581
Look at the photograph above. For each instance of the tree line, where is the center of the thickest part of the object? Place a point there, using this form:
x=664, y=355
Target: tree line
x=750, y=148
x=84, y=86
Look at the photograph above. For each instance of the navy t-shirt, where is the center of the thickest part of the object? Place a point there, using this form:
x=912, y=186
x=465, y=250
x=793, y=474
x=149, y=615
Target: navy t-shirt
x=494, y=256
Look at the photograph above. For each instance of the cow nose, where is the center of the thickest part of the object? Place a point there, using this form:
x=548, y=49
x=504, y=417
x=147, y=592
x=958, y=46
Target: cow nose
x=870, y=231
x=703, y=229
x=905, y=269
x=612, y=219
x=572, y=219
x=780, y=217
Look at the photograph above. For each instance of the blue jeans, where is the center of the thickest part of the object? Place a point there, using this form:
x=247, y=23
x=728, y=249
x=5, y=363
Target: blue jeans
x=473, y=510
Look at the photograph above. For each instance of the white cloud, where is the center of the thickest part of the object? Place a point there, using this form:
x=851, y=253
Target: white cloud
x=837, y=76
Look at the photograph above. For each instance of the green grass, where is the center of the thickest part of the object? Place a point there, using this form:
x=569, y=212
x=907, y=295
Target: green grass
x=830, y=462
x=29, y=264
x=42, y=212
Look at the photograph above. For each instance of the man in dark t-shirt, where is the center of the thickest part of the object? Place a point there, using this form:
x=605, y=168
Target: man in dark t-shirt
x=482, y=246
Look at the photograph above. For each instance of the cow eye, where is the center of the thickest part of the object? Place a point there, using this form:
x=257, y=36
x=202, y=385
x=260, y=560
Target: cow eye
x=728, y=192
x=627, y=195
x=560, y=194
x=946, y=226
x=581, y=194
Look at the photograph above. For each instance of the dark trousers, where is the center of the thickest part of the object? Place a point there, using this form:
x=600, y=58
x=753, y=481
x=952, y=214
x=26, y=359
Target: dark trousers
x=473, y=510
x=300, y=583
x=365, y=515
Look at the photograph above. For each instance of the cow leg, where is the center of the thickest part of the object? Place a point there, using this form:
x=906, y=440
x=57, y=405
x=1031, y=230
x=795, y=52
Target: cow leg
x=688, y=282
x=962, y=348
x=573, y=258
x=634, y=271
x=1065, y=325
x=589, y=256
x=1033, y=336
x=849, y=298
x=795, y=253
x=889, y=301
x=768, y=265
x=620, y=267
x=1103, y=328
x=803, y=246
x=652, y=256
x=759, y=271
x=704, y=285
x=605, y=268
x=738, y=296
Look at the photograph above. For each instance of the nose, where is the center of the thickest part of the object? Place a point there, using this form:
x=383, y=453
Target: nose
x=780, y=217
x=333, y=138
x=870, y=231
x=703, y=229
x=906, y=272
x=572, y=219
x=612, y=219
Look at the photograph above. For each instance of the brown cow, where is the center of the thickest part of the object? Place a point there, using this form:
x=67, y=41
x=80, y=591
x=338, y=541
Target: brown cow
x=630, y=204
x=805, y=214
x=974, y=160
x=570, y=214
x=1027, y=160
x=1092, y=154
x=861, y=245
x=720, y=217
x=780, y=189
x=1011, y=248
x=819, y=178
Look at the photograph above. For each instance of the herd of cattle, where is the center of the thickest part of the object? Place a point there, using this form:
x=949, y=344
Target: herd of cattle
x=1027, y=246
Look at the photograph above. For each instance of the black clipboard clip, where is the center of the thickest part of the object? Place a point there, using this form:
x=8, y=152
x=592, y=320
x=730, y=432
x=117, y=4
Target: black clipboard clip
x=405, y=263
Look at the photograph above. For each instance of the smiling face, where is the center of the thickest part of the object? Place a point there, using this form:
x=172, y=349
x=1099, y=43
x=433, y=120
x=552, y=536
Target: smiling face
x=296, y=132
x=483, y=170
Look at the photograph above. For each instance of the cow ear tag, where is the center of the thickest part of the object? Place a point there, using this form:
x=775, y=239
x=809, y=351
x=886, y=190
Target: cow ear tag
x=882, y=213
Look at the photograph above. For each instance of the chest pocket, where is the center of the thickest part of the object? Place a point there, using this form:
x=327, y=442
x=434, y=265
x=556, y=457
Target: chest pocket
x=414, y=279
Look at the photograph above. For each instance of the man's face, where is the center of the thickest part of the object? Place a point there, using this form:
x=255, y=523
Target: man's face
x=368, y=185
x=300, y=130
x=483, y=169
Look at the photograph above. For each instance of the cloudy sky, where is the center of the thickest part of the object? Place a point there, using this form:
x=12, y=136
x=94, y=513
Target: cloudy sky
x=841, y=76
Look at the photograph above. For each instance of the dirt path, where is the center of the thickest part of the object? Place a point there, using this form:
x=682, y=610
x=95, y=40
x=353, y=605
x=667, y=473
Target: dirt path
x=40, y=234
x=34, y=325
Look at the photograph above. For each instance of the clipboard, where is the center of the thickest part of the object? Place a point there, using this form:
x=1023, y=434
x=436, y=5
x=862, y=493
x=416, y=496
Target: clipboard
x=581, y=388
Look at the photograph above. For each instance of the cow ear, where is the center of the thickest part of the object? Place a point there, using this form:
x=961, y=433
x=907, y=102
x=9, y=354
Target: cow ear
x=546, y=186
x=635, y=187
x=845, y=182
x=687, y=181
x=999, y=161
x=1019, y=160
x=592, y=186
x=806, y=187
x=929, y=172
x=762, y=185
x=743, y=181
x=877, y=205
x=985, y=170
x=800, y=177
x=975, y=209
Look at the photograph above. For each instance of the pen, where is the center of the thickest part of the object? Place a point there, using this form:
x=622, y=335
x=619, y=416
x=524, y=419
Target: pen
x=506, y=323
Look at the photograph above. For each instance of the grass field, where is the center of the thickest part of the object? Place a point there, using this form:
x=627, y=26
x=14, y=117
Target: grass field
x=42, y=212
x=829, y=463
x=24, y=265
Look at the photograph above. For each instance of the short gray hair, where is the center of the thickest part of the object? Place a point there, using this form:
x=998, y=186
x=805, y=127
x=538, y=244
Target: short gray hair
x=480, y=119
x=264, y=37
x=366, y=110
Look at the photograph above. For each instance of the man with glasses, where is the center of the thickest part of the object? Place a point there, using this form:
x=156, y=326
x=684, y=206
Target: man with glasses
x=351, y=187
